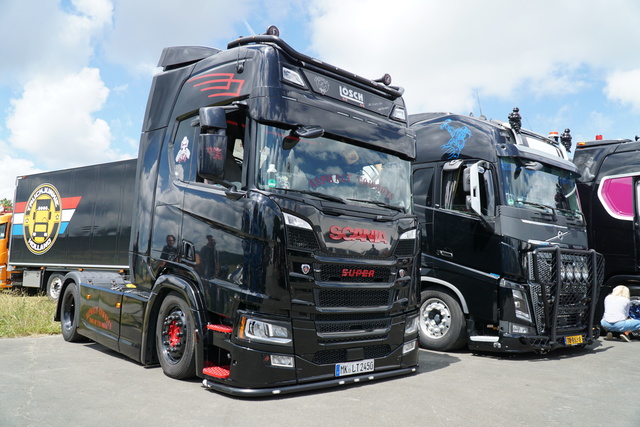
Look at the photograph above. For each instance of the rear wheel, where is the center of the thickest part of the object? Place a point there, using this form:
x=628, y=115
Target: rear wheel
x=442, y=325
x=54, y=286
x=70, y=314
x=175, y=338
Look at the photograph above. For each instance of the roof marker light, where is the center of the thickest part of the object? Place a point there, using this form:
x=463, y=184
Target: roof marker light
x=399, y=113
x=293, y=77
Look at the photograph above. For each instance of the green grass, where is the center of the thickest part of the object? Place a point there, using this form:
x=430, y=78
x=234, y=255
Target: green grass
x=23, y=315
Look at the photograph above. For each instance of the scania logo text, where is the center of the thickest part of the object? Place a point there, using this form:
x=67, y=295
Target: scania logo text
x=362, y=234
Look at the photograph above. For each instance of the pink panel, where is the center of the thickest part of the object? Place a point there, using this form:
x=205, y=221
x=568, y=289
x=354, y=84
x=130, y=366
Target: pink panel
x=617, y=195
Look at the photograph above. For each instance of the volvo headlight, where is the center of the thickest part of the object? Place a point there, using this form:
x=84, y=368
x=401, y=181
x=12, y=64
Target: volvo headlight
x=267, y=331
x=521, y=305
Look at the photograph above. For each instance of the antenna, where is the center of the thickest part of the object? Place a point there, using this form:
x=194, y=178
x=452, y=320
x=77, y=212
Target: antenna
x=479, y=105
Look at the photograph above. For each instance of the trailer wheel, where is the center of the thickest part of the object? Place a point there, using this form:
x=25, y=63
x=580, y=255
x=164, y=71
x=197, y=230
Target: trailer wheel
x=70, y=314
x=175, y=338
x=54, y=286
x=442, y=325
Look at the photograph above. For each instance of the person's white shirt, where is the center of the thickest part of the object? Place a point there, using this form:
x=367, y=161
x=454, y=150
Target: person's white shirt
x=616, y=308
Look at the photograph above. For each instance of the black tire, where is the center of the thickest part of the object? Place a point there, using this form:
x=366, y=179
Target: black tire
x=175, y=338
x=70, y=314
x=442, y=325
x=54, y=286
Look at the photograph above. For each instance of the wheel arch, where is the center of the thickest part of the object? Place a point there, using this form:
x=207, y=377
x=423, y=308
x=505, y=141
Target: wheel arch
x=163, y=286
x=432, y=283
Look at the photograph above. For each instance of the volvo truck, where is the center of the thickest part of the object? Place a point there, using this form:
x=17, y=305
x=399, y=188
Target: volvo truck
x=506, y=264
x=273, y=245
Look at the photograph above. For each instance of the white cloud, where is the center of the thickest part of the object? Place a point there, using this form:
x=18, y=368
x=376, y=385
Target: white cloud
x=443, y=52
x=624, y=87
x=48, y=40
x=53, y=120
x=11, y=168
x=142, y=29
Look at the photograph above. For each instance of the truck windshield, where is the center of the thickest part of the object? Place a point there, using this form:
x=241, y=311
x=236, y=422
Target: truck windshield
x=535, y=184
x=331, y=169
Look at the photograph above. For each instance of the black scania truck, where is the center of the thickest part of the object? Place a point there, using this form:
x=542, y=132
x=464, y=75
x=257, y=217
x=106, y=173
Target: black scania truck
x=273, y=243
x=505, y=261
x=609, y=188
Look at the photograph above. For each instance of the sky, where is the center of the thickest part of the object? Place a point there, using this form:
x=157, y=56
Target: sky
x=75, y=74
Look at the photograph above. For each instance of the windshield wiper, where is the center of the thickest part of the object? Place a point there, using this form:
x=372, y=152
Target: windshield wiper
x=319, y=195
x=571, y=213
x=381, y=204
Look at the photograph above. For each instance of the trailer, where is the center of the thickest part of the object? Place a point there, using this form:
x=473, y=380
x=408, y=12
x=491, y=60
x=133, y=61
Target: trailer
x=69, y=220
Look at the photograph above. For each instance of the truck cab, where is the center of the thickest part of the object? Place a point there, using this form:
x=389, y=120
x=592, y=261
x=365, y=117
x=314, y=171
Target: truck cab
x=609, y=188
x=505, y=261
x=273, y=245
x=5, y=233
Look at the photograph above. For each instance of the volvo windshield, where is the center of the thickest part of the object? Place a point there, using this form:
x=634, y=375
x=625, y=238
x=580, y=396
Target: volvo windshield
x=331, y=169
x=533, y=184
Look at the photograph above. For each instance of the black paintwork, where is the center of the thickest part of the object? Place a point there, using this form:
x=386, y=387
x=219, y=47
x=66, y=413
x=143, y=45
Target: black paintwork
x=258, y=266
x=617, y=239
x=469, y=257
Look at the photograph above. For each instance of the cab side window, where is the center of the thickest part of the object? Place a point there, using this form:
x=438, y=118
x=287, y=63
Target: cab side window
x=454, y=196
x=183, y=151
x=423, y=187
x=234, y=159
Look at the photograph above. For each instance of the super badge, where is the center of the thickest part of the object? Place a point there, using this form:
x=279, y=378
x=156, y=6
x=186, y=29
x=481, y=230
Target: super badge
x=42, y=218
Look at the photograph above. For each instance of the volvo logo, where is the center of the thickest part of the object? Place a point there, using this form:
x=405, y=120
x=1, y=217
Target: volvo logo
x=559, y=236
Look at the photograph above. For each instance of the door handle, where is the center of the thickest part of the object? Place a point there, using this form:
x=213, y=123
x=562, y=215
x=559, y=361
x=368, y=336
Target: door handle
x=445, y=254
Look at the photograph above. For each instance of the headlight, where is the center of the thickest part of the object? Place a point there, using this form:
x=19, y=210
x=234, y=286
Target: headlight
x=295, y=221
x=411, y=326
x=267, y=331
x=521, y=305
x=411, y=234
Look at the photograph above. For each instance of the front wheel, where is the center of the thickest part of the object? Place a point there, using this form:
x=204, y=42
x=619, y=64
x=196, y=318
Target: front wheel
x=70, y=314
x=54, y=286
x=442, y=325
x=175, y=338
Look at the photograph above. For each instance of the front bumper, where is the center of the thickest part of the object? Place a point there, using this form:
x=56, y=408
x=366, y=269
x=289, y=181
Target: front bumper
x=511, y=343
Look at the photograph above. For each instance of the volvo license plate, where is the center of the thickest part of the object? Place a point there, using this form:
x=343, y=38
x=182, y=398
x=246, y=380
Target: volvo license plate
x=352, y=368
x=573, y=340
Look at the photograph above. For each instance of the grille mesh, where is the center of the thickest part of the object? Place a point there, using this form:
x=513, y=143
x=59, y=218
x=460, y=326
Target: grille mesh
x=326, y=357
x=353, y=297
x=405, y=247
x=302, y=239
x=563, y=286
x=352, y=273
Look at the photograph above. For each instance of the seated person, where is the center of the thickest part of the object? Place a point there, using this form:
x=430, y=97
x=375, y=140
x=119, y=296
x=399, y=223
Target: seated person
x=616, y=314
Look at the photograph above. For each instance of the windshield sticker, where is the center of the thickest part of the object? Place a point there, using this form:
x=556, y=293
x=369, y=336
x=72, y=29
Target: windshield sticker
x=459, y=137
x=183, y=154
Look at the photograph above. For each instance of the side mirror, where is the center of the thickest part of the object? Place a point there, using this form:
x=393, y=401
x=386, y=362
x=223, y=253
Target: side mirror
x=474, y=199
x=309, y=132
x=212, y=143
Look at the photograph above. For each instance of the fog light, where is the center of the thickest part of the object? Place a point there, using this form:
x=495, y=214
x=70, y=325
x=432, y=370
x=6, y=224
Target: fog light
x=409, y=346
x=519, y=329
x=282, y=361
